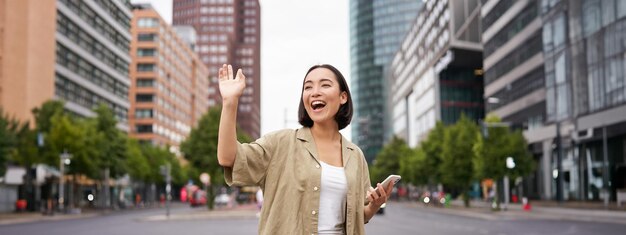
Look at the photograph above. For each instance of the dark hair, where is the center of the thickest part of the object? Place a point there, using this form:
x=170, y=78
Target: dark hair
x=344, y=114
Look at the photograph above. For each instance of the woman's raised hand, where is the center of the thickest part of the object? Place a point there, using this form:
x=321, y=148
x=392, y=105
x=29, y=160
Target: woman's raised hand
x=231, y=87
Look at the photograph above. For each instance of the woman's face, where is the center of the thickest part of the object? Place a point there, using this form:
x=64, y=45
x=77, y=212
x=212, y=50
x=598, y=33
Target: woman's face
x=322, y=95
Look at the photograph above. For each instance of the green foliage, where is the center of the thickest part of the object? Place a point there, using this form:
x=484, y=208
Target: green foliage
x=432, y=147
x=26, y=152
x=490, y=153
x=9, y=128
x=77, y=137
x=110, y=142
x=388, y=160
x=137, y=165
x=200, y=148
x=414, y=168
x=456, y=167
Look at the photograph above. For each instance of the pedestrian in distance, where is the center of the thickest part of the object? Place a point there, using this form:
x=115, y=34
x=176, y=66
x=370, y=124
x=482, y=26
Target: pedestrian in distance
x=313, y=179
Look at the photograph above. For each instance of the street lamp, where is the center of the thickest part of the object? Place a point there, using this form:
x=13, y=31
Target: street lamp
x=64, y=159
x=166, y=171
x=510, y=164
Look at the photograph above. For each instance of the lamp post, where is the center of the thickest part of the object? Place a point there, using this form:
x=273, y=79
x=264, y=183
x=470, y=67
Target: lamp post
x=64, y=159
x=166, y=172
x=510, y=164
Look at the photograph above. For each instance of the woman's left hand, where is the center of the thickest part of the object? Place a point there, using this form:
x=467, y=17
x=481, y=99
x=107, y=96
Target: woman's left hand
x=379, y=196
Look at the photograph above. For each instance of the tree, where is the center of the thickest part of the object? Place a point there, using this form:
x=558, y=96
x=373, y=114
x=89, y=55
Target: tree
x=414, y=169
x=492, y=150
x=456, y=167
x=77, y=137
x=43, y=124
x=137, y=165
x=9, y=128
x=433, y=149
x=200, y=148
x=111, y=142
x=388, y=160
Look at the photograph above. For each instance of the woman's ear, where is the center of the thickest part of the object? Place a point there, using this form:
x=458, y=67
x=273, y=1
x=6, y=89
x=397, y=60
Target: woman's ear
x=343, y=97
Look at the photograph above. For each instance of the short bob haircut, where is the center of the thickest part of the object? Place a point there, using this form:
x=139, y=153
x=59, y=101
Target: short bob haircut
x=344, y=114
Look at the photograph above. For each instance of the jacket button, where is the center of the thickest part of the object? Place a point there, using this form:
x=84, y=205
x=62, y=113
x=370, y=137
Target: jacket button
x=314, y=188
x=317, y=166
x=313, y=212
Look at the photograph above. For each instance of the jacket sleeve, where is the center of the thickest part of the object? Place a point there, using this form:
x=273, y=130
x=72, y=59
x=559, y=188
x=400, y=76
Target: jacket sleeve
x=251, y=163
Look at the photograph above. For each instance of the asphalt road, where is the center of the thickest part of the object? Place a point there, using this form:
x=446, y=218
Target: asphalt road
x=398, y=219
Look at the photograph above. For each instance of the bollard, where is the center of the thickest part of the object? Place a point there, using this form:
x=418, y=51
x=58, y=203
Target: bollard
x=526, y=204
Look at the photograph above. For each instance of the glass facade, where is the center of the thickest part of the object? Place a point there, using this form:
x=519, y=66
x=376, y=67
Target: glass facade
x=376, y=30
x=584, y=44
x=461, y=92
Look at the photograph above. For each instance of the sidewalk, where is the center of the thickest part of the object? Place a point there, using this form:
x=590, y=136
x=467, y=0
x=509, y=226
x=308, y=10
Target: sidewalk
x=243, y=211
x=29, y=217
x=482, y=210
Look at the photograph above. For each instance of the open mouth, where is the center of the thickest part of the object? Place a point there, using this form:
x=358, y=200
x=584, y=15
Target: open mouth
x=317, y=105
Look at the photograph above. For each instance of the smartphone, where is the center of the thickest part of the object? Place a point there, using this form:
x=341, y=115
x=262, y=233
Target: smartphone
x=391, y=178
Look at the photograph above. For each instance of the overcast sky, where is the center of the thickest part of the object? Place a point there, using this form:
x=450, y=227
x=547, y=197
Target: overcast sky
x=295, y=35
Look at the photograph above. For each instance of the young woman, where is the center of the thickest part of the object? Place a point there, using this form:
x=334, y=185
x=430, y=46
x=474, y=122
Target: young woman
x=314, y=180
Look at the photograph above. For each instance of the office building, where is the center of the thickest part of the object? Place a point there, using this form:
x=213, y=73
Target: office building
x=169, y=91
x=228, y=31
x=437, y=73
x=377, y=28
x=583, y=45
x=514, y=69
x=77, y=51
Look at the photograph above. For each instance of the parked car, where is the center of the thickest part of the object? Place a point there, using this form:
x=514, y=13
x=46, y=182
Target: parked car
x=381, y=211
x=198, y=198
x=222, y=199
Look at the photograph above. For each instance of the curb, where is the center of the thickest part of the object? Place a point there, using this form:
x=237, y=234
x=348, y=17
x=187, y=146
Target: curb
x=536, y=214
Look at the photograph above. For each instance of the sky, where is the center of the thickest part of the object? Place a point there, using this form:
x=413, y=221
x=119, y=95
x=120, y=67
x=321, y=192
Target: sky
x=295, y=35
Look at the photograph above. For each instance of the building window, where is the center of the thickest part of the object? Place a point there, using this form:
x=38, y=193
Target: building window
x=143, y=128
x=144, y=98
x=143, y=113
x=145, y=67
x=145, y=82
x=146, y=52
x=147, y=37
x=147, y=23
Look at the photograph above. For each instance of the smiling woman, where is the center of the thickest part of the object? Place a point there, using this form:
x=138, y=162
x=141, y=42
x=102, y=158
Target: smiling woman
x=318, y=179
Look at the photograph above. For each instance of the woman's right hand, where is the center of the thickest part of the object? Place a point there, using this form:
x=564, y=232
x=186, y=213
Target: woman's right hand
x=231, y=88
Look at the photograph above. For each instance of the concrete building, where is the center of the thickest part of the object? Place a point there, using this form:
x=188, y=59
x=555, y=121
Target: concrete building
x=71, y=50
x=75, y=51
x=377, y=28
x=92, y=45
x=514, y=69
x=437, y=73
x=169, y=91
x=27, y=67
x=228, y=31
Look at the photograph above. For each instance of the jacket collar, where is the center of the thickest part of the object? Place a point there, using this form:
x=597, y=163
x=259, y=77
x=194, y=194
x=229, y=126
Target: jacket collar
x=304, y=134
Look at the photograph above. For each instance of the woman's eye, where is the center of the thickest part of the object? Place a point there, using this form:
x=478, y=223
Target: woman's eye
x=307, y=88
x=326, y=85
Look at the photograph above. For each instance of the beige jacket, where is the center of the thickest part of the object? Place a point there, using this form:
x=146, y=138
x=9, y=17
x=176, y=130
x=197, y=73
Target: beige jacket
x=286, y=166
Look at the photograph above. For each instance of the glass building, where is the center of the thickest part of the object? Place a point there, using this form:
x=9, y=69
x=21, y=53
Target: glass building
x=377, y=29
x=584, y=43
x=437, y=75
x=556, y=69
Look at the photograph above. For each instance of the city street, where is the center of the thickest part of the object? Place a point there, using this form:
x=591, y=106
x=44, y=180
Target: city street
x=398, y=219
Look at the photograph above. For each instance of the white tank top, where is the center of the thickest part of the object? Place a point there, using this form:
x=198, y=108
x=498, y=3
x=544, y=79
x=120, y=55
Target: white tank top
x=332, y=200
